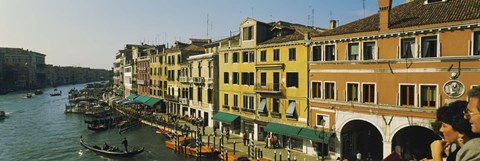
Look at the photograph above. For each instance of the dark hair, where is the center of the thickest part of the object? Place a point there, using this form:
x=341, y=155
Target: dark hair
x=475, y=92
x=452, y=114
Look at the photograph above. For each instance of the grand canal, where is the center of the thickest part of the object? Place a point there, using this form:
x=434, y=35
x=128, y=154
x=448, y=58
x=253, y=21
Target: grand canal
x=38, y=129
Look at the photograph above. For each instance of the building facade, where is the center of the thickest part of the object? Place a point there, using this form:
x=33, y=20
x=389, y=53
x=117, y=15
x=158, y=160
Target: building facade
x=378, y=81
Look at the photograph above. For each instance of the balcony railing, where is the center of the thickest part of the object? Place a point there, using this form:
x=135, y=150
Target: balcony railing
x=209, y=80
x=248, y=110
x=184, y=79
x=171, y=97
x=184, y=101
x=226, y=107
x=269, y=88
x=276, y=115
x=235, y=108
x=198, y=80
x=141, y=82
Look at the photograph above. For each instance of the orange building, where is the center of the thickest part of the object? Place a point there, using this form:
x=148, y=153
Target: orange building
x=378, y=81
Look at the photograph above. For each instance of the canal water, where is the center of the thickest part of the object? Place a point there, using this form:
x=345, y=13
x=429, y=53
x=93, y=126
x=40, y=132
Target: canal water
x=38, y=129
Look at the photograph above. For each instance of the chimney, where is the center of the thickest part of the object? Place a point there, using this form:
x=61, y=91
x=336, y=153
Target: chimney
x=333, y=24
x=384, y=11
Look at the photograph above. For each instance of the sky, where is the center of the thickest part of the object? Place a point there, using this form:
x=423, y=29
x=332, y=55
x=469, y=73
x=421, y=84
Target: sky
x=88, y=33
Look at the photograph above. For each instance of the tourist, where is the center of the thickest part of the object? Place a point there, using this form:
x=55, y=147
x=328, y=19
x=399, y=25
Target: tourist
x=359, y=156
x=245, y=138
x=125, y=143
x=471, y=150
x=227, y=134
x=266, y=142
x=455, y=129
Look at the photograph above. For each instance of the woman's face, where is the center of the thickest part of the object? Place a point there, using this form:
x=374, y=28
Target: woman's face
x=450, y=135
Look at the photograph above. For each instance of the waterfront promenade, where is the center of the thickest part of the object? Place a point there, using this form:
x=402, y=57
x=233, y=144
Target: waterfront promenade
x=240, y=149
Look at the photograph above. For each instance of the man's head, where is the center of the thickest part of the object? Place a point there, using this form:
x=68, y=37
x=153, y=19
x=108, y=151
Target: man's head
x=473, y=110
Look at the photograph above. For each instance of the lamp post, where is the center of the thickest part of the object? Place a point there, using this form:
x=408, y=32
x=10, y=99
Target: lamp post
x=322, y=122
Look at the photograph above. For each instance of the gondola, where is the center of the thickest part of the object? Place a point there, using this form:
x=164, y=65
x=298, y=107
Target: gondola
x=98, y=127
x=97, y=149
x=166, y=133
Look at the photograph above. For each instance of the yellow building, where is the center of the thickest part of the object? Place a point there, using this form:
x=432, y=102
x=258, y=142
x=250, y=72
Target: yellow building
x=263, y=86
x=176, y=57
x=377, y=82
x=157, y=75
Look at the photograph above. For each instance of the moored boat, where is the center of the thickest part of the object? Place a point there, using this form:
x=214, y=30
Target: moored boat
x=190, y=147
x=98, y=127
x=38, y=92
x=112, y=152
x=29, y=95
x=2, y=114
x=164, y=132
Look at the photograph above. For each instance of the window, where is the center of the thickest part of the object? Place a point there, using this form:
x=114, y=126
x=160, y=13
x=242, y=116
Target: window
x=276, y=105
x=225, y=58
x=316, y=89
x=235, y=78
x=248, y=78
x=252, y=78
x=225, y=99
x=263, y=79
x=329, y=90
x=317, y=53
x=353, y=51
x=292, y=80
x=245, y=79
x=235, y=100
x=407, y=48
x=248, y=102
x=326, y=121
x=225, y=77
x=407, y=95
x=368, y=50
x=276, y=55
x=368, y=93
x=329, y=52
x=245, y=57
x=251, y=57
x=235, y=57
x=248, y=33
x=428, y=95
x=352, y=92
x=476, y=43
x=292, y=54
x=263, y=56
x=210, y=98
x=429, y=46
x=199, y=94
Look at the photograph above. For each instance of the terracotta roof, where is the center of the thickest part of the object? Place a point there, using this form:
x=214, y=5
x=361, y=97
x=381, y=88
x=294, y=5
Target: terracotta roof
x=415, y=13
x=298, y=32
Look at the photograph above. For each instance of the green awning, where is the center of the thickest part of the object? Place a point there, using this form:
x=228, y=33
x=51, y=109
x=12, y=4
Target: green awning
x=132, y=96
x=315, y=135
x=224, y=117
x=282, y=129
x=152, y=101
x=142, y=99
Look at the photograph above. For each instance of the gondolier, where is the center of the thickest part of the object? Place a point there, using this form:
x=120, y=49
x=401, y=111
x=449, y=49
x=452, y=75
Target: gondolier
x=125, y=143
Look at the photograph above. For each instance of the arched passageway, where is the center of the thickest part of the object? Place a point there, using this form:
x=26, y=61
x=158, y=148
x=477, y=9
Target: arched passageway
x=359, y=136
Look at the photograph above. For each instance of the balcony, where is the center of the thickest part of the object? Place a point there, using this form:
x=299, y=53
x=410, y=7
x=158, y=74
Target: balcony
x=272, y=88
x=141, y=82
x=235, y=108
x=198, y=80
x=226, y=107
x=209, y=80
x=276, y=115
x=247, y=110
x=184, y=101
x=184, y=79
x=171, y=97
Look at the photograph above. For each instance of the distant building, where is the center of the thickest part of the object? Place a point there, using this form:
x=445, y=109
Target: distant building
x=22, y=69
